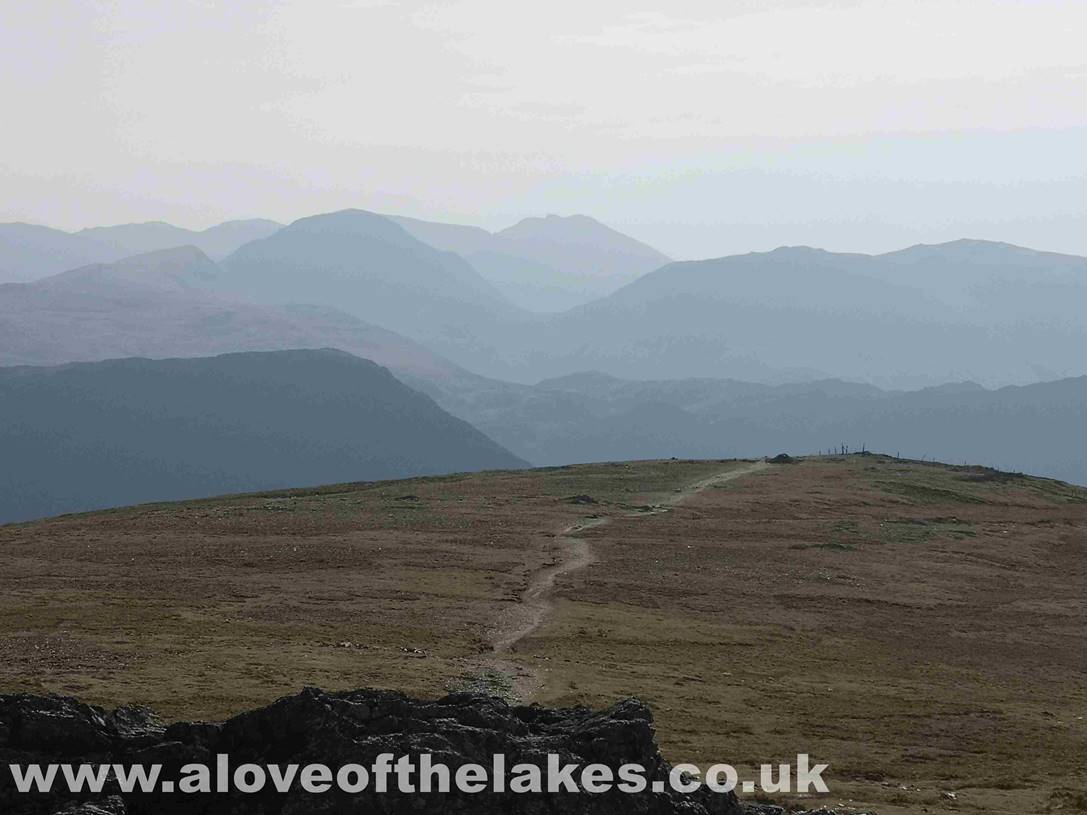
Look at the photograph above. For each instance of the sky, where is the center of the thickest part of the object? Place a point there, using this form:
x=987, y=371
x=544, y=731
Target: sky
x=703, y=128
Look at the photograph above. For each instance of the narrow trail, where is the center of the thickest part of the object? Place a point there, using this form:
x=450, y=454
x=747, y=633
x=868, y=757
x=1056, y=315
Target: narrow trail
x=537, y=602
x=536, y=599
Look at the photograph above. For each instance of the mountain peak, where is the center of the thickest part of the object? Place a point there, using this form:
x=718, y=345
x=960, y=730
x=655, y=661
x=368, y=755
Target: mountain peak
x=583, y=245
x=981, y=252
x=799, y=249
x=351, y=222
x=561, y=225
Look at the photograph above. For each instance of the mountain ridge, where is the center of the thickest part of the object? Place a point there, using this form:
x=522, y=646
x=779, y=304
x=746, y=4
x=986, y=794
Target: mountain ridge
x=90, y=435
x=30, y=252
x=216, y=241
x=136, y=307
x=369, y=266
x=1011, y=315
x=548, y=263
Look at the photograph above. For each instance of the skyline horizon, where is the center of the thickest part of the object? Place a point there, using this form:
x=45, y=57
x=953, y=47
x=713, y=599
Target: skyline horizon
x=703, y=131
x=673, y=257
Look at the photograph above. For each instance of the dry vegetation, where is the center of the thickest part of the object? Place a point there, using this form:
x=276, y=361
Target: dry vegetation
x=202, y=608
x=922, y=628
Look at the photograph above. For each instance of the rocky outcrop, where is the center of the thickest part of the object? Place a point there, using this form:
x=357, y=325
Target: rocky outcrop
x=336, y=729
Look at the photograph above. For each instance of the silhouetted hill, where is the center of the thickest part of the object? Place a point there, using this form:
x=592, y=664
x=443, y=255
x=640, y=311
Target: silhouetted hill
x=127, y=431
x=216, y=241
x=545, y=264
x=370, y=267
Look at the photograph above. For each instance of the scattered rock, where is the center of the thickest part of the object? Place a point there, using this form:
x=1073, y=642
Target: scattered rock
x=110, y=806
x=581, y=499
x=338, y=729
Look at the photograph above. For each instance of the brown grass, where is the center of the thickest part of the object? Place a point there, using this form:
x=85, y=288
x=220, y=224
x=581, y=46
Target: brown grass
x=921, y=628
x=200, y=609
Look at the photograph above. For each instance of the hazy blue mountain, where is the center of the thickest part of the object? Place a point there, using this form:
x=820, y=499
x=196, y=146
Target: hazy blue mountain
x=1035, y=428
x=545, y=264
x=696, y=394
x=994, y=282
x=370, y=267
x=184, y=268
x=155, y=305
x=102, y=434
x=1010, y=315
x=134, y=239
x=28, y=252
x=459, y=238
x=596, y=417
x=582, y=245
x=217, y=241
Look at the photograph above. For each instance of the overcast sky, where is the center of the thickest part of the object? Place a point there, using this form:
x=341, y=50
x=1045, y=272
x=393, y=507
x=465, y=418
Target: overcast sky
x=705, y=128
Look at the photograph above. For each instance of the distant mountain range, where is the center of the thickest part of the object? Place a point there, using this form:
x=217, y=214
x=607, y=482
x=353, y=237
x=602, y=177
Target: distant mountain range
x=682, y=350
x=90, y=435
x=216, y=242
x=539, y=264
x=596, y=417
x=156, y=305
x=967, y=310
x=1006, y=314
x=29, y=252
x=545, y=264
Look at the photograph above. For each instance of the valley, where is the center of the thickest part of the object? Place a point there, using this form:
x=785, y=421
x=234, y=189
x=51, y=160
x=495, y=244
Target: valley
x=543, y=409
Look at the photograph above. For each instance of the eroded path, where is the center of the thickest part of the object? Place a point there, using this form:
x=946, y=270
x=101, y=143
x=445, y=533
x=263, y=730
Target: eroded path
x=537, y=600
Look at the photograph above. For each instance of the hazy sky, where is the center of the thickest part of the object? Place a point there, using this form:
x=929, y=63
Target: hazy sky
x=704, y=128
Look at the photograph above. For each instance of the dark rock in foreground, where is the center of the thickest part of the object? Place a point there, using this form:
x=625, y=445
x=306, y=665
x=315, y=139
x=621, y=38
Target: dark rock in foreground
x=336, y=729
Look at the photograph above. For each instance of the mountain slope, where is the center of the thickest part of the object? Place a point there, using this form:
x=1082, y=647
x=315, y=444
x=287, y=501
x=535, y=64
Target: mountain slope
x=460, y=238
x=993, y=281
x=594, y=417
x=580, y=244
x=367, y=266
x=28, y=252
x=545, y=264
x=184, y=268
x=1007, y=315
x=216, y=241
x=133, y=430
x=155, y=305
